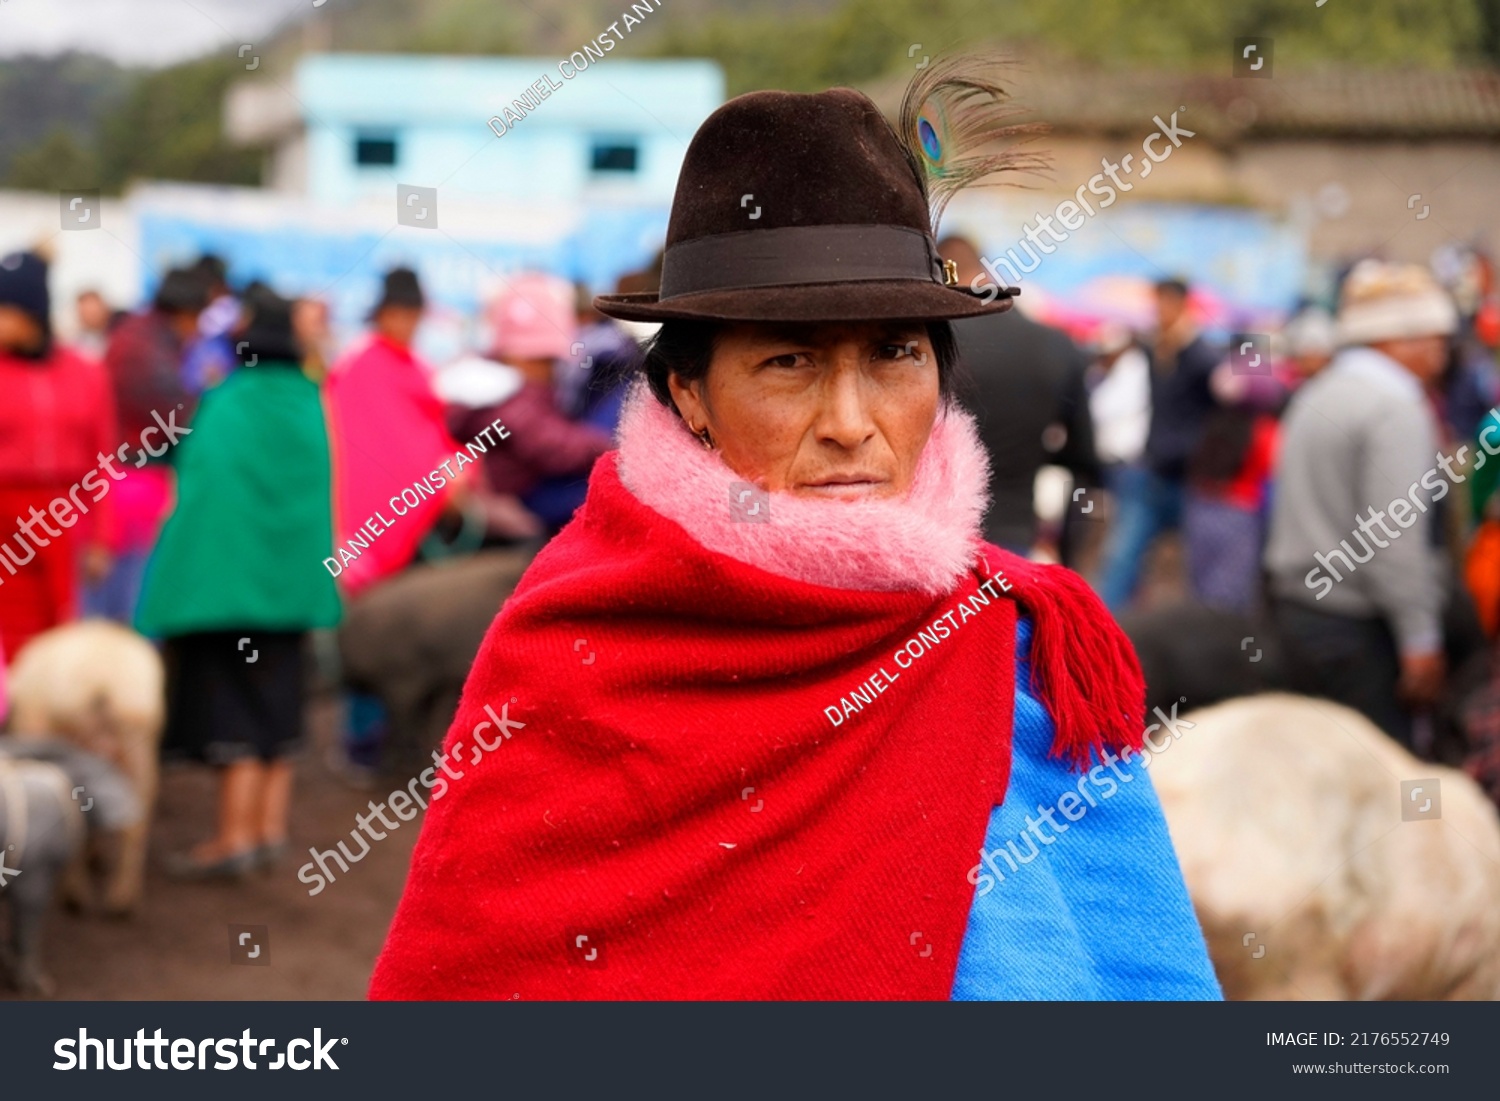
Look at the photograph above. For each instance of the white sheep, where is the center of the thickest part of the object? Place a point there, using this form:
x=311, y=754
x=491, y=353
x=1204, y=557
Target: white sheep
x=101, y=687
x=1287, y=814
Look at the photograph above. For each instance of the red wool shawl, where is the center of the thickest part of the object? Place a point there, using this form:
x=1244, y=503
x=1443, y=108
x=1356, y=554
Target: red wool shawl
x=679, y=817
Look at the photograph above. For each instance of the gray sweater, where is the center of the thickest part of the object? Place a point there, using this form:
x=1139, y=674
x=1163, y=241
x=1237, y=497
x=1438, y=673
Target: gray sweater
x=1357, y=436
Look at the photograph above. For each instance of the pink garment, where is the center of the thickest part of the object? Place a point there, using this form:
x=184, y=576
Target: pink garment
x=141, y=501
x=533, y=318
x=388, y=435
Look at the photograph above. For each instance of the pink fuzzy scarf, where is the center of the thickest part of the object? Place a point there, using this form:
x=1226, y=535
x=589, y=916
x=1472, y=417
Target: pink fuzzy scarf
x=1083, y=666
x=924, y=541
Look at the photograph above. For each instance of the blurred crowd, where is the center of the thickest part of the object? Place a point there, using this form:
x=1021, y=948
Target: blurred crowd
x=184, y=467
x=167, y=465
x=1330, y=482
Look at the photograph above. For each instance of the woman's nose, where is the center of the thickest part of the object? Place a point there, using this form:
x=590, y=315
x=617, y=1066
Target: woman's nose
x=845, y=417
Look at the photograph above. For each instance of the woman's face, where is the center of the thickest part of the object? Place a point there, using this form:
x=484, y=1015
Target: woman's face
x=839, y=410
x=398, y=324
x=19, y=332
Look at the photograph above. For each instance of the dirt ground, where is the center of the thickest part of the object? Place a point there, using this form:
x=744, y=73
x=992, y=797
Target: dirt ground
x=178, y=946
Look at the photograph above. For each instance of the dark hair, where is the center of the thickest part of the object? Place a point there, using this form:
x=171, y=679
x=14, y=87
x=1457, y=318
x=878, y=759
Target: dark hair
x=212, y=270
x=686, y=348
x=181, y=291
x=1174, y=285
x=267, y=335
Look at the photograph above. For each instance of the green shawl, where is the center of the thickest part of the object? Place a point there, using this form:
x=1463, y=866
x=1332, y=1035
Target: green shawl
x=244, y=547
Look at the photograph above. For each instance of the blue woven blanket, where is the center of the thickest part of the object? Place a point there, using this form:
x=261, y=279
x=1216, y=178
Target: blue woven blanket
x=1087, y=904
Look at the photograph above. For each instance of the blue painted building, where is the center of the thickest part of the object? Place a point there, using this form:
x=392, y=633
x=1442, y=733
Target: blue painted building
x=574, y=177
x=616, y=130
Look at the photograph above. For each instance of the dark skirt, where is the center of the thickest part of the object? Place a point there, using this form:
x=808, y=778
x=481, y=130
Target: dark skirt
x=227, y=701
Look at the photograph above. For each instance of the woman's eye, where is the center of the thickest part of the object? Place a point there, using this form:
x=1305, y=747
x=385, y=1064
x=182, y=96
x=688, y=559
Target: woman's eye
x=907, y=350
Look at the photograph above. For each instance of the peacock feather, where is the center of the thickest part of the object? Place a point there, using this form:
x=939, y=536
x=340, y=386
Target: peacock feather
x=958, y=126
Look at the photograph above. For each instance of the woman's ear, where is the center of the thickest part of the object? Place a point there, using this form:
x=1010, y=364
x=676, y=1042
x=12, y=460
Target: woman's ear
x=685, y=395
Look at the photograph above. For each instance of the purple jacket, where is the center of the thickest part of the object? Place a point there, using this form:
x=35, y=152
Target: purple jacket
x=541, y=441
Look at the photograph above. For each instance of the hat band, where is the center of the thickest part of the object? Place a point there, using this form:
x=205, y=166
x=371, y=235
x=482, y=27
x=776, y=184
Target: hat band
x=797, y=255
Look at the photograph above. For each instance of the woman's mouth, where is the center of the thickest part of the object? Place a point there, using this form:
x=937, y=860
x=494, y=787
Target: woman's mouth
x=847, y=486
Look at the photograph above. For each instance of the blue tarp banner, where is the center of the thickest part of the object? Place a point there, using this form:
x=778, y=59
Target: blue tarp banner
x=344, y=266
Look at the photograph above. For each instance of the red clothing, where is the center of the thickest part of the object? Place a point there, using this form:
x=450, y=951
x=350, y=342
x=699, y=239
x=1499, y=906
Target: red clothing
x=541, y=441
x=623, y=808
x=56, y=417
x=144, y=361
x=388, y=435
x=1247, y=489
x=38, y=574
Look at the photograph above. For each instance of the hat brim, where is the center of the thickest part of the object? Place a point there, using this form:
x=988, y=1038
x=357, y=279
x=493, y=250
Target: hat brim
x=892, y=300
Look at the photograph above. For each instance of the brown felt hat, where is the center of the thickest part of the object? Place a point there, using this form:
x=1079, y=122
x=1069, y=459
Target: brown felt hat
x=801, y=208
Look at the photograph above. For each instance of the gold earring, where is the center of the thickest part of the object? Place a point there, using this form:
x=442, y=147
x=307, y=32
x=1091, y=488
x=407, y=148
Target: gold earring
x=704, y=438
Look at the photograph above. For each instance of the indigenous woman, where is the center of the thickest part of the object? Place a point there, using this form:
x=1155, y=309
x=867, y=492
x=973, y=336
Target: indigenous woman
x=57, y=425
x=235, y=583
x=389, y=434
x=768, y=719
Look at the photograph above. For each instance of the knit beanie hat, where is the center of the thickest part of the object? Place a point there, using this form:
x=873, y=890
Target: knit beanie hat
x=23, y=284
x=533, y=319
x=1383, y=301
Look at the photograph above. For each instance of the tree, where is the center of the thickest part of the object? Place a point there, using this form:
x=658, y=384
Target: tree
x=862, y=40
x=57, y=163
x=42, y=95
x=1488, y=43
x=170, y=127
